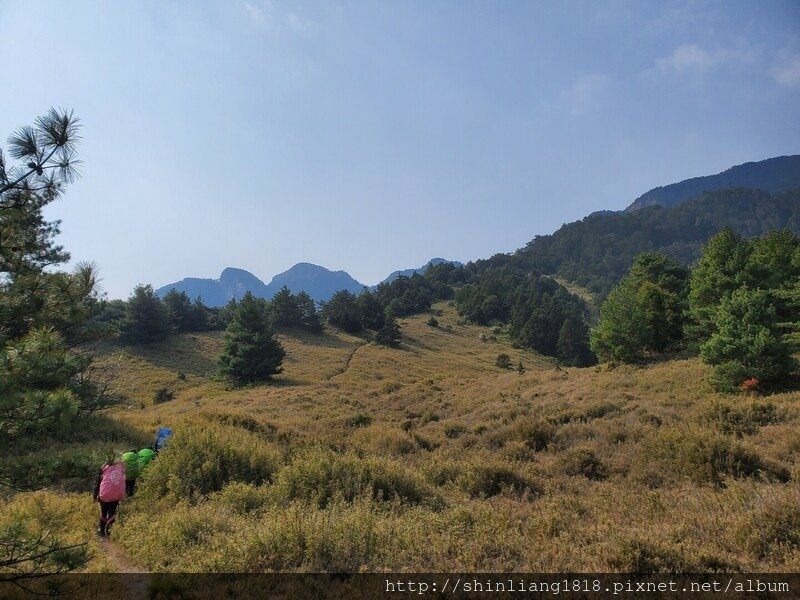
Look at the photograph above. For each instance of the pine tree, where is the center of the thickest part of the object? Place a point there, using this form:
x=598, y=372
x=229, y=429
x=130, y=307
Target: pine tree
x=180, y=309
x=747, y=343
x=284, y=309
x=250, y=354
x=718, y=273
x=309, y=317
x=45, y=389
x=389, y=335
x=342, y=311
x=147, y=318
x=572, y=346
x=645, y=313
x=372, y=314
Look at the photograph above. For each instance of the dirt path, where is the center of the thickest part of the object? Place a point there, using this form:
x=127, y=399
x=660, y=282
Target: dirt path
x=349, y=360
x=137, y=581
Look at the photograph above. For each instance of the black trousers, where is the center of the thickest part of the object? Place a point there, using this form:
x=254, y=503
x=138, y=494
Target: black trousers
x=130, y=487
x=108, y=514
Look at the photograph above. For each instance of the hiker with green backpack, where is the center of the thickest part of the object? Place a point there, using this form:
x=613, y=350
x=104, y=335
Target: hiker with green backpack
x=145, y=457
x=131, y=461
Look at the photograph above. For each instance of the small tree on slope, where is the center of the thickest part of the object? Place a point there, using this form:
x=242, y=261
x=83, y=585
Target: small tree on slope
x=251, y=353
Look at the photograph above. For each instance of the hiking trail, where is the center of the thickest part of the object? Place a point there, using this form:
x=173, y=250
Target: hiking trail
x=349, y=360
x=135, y=587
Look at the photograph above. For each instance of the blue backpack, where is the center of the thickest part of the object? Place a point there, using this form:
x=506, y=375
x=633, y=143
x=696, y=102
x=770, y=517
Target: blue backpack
x=164, y=433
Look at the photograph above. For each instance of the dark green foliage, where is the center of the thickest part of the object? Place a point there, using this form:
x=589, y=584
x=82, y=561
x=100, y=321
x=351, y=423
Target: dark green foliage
x=283, y=309
x=503, y=361
x=342, y=311
x=164, y=394
x=410, y=295
x=747, y=343
x=251, y=354
x=372, y=311
x=536, y=308
x=389, y=335
x=294, y=310
x=573, y=343
x=186, y=315
x=433, y=322
x=309, y=317
x=597, y=251
x=718, y=273
x=147, y=318
x=45, y=390
x=520, y=368
x=645, y=313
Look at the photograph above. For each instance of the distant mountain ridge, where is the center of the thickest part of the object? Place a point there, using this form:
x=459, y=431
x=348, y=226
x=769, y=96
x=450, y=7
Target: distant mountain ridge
x=320, y=283
x=773, y=175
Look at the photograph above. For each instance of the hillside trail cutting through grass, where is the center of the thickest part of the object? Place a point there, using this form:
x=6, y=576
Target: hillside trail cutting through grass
x=349, y=360
x=136, y=586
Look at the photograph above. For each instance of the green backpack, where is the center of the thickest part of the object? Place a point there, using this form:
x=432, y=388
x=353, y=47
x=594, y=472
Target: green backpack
x=146, y=455
x=131, y=461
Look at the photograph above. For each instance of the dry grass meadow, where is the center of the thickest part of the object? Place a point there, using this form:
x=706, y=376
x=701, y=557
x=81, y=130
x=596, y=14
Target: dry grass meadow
x=431, y=458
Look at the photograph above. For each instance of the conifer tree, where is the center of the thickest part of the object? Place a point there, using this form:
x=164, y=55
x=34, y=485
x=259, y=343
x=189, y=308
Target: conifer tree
x=147, y=318
x=389, y=335
x=307, y=308
x=747, y=343
x=251, y=354
x=284, y=309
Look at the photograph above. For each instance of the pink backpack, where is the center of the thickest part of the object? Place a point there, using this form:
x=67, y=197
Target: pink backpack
x=112, y=486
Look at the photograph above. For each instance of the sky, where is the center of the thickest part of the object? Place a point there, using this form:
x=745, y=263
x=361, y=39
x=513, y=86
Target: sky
x=372, y=136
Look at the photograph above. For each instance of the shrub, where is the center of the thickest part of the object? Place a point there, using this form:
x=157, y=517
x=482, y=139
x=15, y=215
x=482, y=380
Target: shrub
x=244, y=497
x=204, y=458
x=319, y=476
x=536, y=434
x=706, y=456
x=485, y=480
x=163, y=395
x=774, y=527
x=453, y=430
x=584, y=463
x=646, y=557
x=503, y=361
x=739, y=418
x=359, y=420
x=433, y=322
x=383, y=441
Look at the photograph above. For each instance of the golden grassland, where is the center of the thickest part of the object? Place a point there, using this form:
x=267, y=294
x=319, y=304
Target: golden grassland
x=429, y=457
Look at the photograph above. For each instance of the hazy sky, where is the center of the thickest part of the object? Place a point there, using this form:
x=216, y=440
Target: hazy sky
x=371, y=136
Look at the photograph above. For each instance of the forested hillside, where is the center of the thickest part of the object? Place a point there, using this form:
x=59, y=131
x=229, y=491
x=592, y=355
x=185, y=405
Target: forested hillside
x=774, y=175
x=597, y=251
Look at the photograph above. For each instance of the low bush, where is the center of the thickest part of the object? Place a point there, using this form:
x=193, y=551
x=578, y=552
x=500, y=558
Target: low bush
x=319, y=476
x=536, y=434
x=705, y=456
x=774, y=527
x=204, y=458
x=584, y=463
x=485, y=480
x=359, y=420
x=740, y=418
x=163, y=395
x=454, y=430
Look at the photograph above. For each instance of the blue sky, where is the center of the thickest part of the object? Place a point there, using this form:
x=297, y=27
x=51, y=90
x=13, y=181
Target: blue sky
x=371, y=136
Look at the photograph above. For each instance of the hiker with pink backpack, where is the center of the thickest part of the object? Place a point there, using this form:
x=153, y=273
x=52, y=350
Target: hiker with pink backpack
x=109, y=489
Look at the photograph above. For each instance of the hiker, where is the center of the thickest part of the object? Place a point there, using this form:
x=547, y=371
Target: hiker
x=131, y=461
x=109, y=489
x=145, y=456
x=162, y=437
